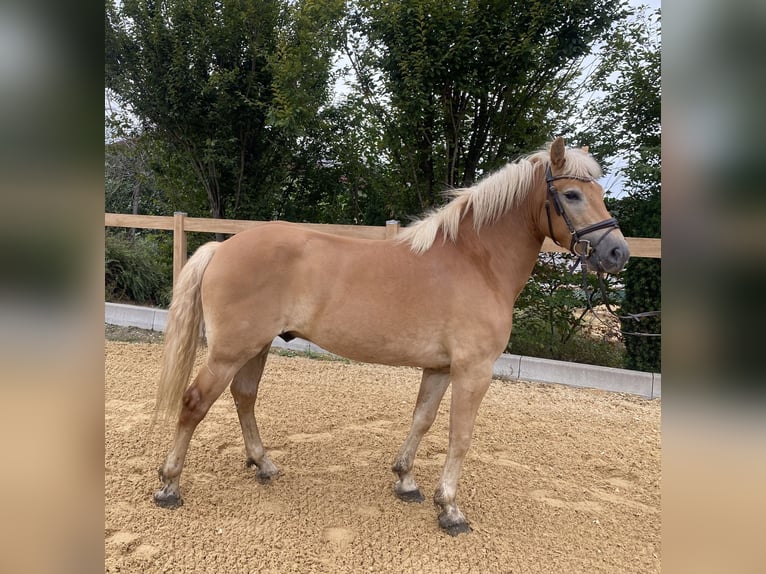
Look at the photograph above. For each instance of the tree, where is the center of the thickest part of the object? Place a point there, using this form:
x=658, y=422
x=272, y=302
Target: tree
x=339, y=175
x=460, y=87
x=126, y=176
x=225, y=86
x=625, y=123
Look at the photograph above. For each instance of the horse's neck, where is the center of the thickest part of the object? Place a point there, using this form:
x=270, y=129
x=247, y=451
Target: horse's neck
x=510, y=244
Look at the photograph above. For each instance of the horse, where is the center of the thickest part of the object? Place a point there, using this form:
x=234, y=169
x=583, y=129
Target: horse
x=438, y=296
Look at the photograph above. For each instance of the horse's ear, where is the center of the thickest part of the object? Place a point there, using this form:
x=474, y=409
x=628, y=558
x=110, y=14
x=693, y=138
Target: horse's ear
x=557, y=154
x=585, y=148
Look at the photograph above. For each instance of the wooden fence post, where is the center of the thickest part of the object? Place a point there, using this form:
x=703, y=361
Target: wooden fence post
x=179, y=244
x=392, y=228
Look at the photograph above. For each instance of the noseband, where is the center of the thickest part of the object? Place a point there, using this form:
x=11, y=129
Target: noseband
x=577, y=240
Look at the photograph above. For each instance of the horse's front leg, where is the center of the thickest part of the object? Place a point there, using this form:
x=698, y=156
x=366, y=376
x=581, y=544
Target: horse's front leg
x=432, y=387
x=468, y=389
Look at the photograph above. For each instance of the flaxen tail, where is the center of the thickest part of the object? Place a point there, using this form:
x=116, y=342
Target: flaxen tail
x=182, y=332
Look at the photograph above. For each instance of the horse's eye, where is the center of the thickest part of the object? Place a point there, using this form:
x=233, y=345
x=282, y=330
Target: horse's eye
x=572, y=195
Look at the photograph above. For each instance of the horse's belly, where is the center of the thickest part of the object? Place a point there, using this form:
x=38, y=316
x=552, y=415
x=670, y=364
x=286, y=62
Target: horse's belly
x=386, y=349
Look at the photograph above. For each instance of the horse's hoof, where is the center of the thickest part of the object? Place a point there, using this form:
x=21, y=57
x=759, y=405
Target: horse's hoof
x=263, y=475
x=454, y=523
x=165, y=500
x=266, y=478
x=458, y=528
x=411, y=496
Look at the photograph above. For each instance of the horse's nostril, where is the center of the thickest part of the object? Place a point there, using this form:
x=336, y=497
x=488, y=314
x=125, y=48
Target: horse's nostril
x=618, y=255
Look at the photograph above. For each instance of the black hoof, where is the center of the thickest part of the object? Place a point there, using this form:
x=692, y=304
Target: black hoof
x=454, y=523
x=262, y=477
x=265, y=478
x=459, y=528
x=411, y=496
x=171, y=501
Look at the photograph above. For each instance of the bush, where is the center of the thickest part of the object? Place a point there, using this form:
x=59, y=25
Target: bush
x=643, y=283
x=643, y=293
x=531, y=338
x=137, y=269
x=549, y=321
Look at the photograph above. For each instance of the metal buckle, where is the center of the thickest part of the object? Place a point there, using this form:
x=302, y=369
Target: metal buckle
x=588, y=248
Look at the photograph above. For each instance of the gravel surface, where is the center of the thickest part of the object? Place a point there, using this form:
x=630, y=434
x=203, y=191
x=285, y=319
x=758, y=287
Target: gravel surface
x=557, y=479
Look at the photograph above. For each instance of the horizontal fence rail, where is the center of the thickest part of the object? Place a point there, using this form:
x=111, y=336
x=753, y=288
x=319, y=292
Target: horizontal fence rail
x=180, y=225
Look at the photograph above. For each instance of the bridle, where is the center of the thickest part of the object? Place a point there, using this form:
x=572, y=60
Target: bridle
x=576, y=234
x=586, y=250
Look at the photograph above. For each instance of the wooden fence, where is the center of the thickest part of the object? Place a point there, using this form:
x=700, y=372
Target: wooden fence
x=180, y=224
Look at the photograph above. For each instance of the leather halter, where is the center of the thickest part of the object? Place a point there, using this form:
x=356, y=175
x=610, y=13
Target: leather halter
x=577, y=240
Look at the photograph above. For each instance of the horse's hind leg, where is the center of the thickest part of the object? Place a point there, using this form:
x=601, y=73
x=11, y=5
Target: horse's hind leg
x=244, y=388
x=432, y=388
x=208, y=385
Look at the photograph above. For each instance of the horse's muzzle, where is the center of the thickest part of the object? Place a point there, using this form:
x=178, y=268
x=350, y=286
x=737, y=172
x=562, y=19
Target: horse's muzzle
x=610, y=256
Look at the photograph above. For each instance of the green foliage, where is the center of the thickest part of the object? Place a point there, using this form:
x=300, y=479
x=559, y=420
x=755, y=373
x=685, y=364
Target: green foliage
x=642, y=293
x=138, y=269
x=233, y=98
x=224, y=88
x=307, y=37
x=550, y=313
x=625, y=122
x=338, y=176
x=461, y=87
x=528, y=340
x=132, y=182
x=640, y=217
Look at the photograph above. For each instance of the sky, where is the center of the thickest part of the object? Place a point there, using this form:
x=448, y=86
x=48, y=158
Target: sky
x=650, y=3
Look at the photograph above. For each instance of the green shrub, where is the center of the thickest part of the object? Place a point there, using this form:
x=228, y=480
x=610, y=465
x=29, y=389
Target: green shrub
x=549, y=318
x=532, y=338
x=643, y=282
x=643, y=293
x=137, y=269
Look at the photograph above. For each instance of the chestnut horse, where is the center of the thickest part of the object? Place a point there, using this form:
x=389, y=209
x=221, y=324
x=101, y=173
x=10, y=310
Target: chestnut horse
x=439, y=296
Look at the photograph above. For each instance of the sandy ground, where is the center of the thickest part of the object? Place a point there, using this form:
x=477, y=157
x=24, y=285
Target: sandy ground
x=558, y=480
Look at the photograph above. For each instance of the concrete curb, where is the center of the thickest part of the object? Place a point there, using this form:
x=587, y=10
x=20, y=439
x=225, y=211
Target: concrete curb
x=135, y=316
x=510, y=367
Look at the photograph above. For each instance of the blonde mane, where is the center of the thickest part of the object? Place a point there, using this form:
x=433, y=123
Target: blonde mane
x=491, y=197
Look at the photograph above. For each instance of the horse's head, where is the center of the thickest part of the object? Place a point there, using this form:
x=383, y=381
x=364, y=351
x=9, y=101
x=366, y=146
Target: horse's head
x=574, y=214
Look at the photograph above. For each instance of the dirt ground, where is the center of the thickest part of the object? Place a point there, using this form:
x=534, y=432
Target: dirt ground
x=558, y=480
